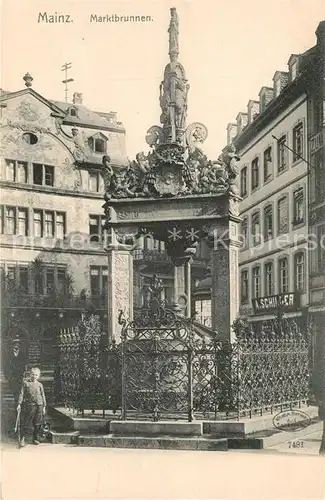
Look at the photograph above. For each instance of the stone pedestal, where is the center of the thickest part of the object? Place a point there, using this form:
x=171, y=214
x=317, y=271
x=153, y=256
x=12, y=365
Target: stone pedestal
x=120, y=287
x=225, y=281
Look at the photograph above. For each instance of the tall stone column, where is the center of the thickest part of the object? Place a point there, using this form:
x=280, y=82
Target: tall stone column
x=179, y=284
x=120, y=287
x=225, y=281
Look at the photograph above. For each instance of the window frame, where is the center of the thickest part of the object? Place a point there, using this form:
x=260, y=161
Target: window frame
x=244, y=175
x=295, y=220
x=43, y=166
x=101, y=291
x=270, y=177
x=256, y=215
x=266, y=282
x=286, y=198
x=254, y=288
x=267, y=235
x=255, y=169
x=300, y=253
x=244, y=298
x=16, y=164
x=284, y=258
x=282, y=140
x=298, y=126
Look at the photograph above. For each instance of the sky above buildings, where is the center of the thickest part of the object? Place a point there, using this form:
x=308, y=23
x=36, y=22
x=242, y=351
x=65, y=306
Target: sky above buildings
x=229, y=48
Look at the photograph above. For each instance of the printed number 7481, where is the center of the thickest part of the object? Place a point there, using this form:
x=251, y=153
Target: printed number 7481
x=296, y=444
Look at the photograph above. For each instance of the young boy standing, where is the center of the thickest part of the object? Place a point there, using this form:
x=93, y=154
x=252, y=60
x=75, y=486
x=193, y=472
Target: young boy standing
x=32, y=402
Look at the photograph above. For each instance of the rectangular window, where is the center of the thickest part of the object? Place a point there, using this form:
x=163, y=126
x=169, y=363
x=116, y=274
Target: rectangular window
x=244, y=287
x=21, y=172
x=10, y=171
x=60, y=225
x=49, y=224
x=37, y=174
x=298, y=206
x=23, y=279
x=95, y=229
x=22, y=221
x=11, y=275
x=49, y=280
x=38, y=226
x=300, y=272
x=298, y=141
x=43, y=175
x=282, y=154
x=94, y=182
x=255, y=173
x=268, y=165
x=268, y=222
x=243, y=182
x=284, y=275
x=10, y=220
x=269, y=279
x=283, y=215
x=49, y=175
x=94, y=281
x=61, y=280
x=98, y=280
x=256, y=229
x=256, y=292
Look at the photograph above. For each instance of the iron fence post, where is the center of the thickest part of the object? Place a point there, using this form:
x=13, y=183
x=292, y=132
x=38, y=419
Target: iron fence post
x=123, y=381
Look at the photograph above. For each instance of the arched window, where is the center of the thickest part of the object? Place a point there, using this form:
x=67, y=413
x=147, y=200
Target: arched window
x=73, y=112
x=284, y=275
x=300, y=272
x=268, y=222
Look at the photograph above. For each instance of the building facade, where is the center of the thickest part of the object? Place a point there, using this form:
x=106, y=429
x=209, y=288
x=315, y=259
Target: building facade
x=52, y=240
x=316, y=141
x=274, y=139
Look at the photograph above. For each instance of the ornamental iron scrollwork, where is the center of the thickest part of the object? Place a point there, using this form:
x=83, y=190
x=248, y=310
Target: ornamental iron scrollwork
x=163, y=368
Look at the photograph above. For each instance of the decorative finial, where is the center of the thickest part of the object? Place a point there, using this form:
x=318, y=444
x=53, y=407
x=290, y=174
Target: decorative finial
x=173, y=35
x=28, y=79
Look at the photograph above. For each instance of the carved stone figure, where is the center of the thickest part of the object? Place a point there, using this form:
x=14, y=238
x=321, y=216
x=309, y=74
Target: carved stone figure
x=108, y=173
x=231, y=160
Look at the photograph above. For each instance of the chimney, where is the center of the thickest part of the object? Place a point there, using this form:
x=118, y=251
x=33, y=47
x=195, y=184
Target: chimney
x=266, y=96
x=280, y=81
x=231, y=132
x=242, y=120
x=253, y=109
x=77, y=98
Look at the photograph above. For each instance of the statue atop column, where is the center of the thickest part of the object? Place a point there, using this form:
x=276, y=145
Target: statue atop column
x=173, y=89
x=173, y=34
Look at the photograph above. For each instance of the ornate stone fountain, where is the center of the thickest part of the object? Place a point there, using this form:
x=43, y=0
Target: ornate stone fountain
x=177, y=195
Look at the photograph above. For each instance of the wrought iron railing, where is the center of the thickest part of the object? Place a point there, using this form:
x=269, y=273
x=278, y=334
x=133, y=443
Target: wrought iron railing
x=164, y=369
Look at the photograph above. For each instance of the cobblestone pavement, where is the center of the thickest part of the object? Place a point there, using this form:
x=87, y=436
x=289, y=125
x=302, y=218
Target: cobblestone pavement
x=67, y=472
